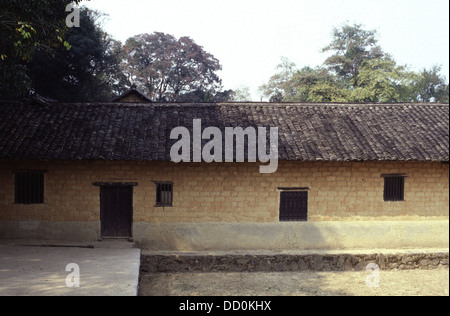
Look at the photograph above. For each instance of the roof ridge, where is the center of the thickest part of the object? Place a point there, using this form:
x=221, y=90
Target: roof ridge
x=221, y=104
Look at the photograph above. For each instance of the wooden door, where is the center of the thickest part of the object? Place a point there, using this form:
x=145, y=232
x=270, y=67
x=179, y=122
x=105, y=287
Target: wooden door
x=116, y=211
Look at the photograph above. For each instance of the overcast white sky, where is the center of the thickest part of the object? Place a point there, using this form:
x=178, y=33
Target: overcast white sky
x=250, y=36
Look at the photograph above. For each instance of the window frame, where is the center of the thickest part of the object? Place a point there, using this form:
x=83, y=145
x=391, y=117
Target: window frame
x=161, y=201
x=303, y=213
x=394, y=187
x=31, y=192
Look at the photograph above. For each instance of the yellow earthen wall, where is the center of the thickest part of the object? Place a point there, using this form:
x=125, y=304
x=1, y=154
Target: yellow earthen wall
x=232, y=192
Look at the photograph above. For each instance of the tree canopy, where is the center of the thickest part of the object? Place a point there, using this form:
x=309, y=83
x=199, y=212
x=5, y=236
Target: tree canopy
x=167, y=68
x=357, y=71
x=353, y=47
x=27, y=26
x=39, y=53
x=88, y=72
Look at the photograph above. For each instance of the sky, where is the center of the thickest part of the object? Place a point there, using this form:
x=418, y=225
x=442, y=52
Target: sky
x=249, y=37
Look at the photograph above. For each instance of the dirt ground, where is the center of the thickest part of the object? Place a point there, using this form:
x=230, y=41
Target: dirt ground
x=391, y=283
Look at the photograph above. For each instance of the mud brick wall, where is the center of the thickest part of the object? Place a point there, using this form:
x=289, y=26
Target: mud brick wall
x=230, y=192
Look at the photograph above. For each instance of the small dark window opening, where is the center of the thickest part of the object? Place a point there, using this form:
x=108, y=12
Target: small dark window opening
x=164, y=193
x=29, y=187
x=394, y=188
x=294, y=206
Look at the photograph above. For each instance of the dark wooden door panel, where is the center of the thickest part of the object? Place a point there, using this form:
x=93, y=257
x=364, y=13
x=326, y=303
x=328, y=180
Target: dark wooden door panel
x=116, y=211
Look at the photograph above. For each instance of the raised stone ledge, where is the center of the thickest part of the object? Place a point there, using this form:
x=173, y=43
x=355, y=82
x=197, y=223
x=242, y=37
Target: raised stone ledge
x=289, y=262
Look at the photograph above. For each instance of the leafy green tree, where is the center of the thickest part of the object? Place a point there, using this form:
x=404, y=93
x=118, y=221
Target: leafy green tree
x=382, y=80
x=357, y=71
x=431, y=86
x=353, y=47
x=327, y=92
x=24, y=27
x=241, y=94
x=166, y=68
x=445, y=95
x=315, y=85
x=278, y=85
x=206, y=96
x=304, y=85
x=369, y=74
x=88, y=72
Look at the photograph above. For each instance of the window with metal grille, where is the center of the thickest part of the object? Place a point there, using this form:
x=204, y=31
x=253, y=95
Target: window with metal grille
x=164, y=193
x=29, y=187
x=394, y=188
x=293, y=206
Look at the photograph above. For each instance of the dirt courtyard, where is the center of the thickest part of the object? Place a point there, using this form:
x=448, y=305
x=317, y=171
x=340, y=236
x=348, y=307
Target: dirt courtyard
x=391, y=283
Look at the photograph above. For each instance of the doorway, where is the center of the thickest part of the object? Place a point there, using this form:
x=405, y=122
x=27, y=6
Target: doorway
x=116, y=211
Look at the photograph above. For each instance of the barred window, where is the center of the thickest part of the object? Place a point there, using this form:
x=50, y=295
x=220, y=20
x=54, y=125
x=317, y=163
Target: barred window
x=293, y=206
x=164, y=193
x=394, y=188
x=29, y=187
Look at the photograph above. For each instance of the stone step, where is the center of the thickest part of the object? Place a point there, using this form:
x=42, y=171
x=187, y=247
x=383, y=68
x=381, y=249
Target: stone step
x=176, y=262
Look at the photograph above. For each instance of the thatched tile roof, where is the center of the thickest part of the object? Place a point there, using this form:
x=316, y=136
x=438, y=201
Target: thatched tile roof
x=307, y=132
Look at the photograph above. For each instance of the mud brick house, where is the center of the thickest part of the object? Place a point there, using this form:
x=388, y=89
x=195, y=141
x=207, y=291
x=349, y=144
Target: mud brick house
x=349, y=176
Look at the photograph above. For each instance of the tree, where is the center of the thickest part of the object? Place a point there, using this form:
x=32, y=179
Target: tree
x=25, y=26
x=327, y=92
x=358, y=71
x=166, y=68
x=88, y=72
x=304, y=85
x=315, y=85
x=430, y=86
x=353, y=47
x=199, y=96
x=277, y=87
x=382, y=80
x=241, y=94
x=445, y=95
x=369, y=74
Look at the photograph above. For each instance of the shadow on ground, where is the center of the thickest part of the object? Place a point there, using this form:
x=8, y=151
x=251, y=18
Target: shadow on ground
x=419, y=282
x=235, y=284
